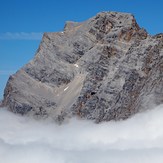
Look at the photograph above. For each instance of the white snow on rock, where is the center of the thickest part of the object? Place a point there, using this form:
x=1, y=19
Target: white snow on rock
x=76, y=65
x=65, y=88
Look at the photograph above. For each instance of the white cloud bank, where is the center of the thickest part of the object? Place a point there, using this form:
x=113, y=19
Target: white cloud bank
x=136, y=140
x=21, y=36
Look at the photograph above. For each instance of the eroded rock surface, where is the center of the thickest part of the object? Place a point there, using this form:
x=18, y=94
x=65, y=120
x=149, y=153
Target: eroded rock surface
x=106, y=68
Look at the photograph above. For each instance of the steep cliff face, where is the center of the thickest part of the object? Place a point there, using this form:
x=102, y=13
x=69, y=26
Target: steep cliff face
x=106, y=68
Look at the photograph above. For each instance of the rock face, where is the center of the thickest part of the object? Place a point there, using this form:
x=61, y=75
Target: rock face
x=106, y=68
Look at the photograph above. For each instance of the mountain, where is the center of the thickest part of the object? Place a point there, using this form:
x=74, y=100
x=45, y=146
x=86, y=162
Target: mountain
x=106, y=68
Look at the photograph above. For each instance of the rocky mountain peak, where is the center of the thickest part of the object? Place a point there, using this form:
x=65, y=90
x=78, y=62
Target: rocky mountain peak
x=105, y=68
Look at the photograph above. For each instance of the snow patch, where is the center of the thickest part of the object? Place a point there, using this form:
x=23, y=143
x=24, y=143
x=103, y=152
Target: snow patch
x=76, y=65
x=65, y=88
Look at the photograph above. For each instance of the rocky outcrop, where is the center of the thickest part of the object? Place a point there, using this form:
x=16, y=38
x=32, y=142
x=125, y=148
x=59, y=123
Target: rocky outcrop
x=106, y=68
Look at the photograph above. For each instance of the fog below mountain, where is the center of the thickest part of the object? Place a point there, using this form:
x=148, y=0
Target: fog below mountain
x=138, y=139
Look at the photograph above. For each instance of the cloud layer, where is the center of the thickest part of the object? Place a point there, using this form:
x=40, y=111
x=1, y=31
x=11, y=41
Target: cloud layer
x=136, y=140
x=21, y=36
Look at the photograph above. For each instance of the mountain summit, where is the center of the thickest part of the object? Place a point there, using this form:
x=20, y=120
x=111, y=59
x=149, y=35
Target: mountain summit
x=106, y=68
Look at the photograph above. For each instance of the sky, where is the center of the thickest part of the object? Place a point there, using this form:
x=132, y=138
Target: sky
x=24, y=21
x=136, y=140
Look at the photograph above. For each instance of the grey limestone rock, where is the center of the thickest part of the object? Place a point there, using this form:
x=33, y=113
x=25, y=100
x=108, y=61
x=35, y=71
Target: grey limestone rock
x=106, y=68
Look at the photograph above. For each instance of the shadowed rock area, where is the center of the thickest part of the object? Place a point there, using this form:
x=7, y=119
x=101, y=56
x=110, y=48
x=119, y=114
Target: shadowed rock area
x=106, y=68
